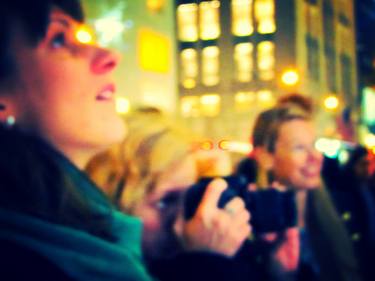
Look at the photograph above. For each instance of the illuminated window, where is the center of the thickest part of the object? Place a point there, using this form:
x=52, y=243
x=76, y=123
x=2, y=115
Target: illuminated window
x=243, y=57
x=346, y=76
x=189, y=106
x=210, y=66
x=189, y=67
x=187, y=22
x=244, y=100
x=313, y=16
x=210, y=104
x=345, y=11
x=266, y=60
x=265, y=16
x=209, y=22
x=242, y=24
x=265, y=98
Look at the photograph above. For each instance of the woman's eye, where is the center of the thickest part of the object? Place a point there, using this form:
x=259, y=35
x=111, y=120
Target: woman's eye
x=58, y=40
x=298, y=148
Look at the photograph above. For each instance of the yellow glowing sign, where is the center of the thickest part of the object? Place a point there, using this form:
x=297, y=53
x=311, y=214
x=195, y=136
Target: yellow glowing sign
x=154, y=50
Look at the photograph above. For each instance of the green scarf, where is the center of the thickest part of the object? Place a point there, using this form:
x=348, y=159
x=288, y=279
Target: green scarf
x=81, y=255
x=78, y=253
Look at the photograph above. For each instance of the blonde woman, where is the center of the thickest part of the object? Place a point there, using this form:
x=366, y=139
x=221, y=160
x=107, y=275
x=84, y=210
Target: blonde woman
x=147, y=176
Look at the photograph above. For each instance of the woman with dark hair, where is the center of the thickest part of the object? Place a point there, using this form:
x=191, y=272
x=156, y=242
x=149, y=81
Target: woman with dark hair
x=56, y=111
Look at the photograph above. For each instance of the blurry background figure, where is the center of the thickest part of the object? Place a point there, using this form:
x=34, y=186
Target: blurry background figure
x=297, y=100
x=331, y=172
x=157, y=162
x=284, y=153
x=355, y=202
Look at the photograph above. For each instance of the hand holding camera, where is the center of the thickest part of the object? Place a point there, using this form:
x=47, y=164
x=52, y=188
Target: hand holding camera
x=215, y=229
x=271, y=210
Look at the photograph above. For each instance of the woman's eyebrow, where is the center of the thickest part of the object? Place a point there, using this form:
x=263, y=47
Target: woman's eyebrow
x=62, y=21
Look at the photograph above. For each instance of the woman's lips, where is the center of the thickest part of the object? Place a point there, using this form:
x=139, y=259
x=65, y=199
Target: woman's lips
x=107, y=93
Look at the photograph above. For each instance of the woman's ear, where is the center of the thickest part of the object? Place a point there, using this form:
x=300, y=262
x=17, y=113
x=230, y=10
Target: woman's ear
x=264, y=158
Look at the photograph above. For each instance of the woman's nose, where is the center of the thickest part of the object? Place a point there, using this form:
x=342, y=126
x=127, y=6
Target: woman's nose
x=105, y=61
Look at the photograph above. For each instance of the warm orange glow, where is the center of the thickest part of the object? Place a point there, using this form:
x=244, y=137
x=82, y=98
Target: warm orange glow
x=206, y=145
x=155, y=5
x=331, y=102
x=290, y=77
x=84, y=34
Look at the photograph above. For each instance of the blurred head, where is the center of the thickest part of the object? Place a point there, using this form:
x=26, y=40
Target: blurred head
x=149, y=172
x=358, y=164
x=284, y=146
x=54, y=86
x=156, y=165
x=297, y=100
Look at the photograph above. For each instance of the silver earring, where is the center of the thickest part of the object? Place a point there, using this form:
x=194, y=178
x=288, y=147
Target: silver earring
x=10, y=121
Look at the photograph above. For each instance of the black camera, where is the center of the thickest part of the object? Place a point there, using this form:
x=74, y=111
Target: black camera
x=271, y=210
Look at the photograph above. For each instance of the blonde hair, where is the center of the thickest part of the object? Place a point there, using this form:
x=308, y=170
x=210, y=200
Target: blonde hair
x=153, y=146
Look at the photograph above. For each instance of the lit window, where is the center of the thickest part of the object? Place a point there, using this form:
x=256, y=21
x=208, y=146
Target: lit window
x=189, y=106
x=242, y=24
x=187, y=22
x=210, y=66
x=209, y=20
x=265, y=98
x=313, y=16
x=266, y=60
x=189, y=67
x=265, y=16
x=243, y=57
x=244, y=100
x=210, y=104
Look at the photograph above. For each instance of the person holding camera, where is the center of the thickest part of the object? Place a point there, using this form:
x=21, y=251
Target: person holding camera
x=148, y=175
x=284, y=153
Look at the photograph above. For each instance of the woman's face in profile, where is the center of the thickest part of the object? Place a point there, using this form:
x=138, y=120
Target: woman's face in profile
x=296, y=162
x=64, y=89
x=160, y=209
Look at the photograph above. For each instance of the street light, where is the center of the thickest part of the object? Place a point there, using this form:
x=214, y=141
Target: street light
x=290, y=77
x=331, y=102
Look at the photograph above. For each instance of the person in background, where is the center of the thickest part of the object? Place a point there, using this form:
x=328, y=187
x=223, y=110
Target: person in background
x=147, y=176
x=284, y=152
x=57, y=110
x=356, y=205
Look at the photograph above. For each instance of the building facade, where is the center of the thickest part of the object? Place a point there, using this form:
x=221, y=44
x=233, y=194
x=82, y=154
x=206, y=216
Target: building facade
x=235, y=57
